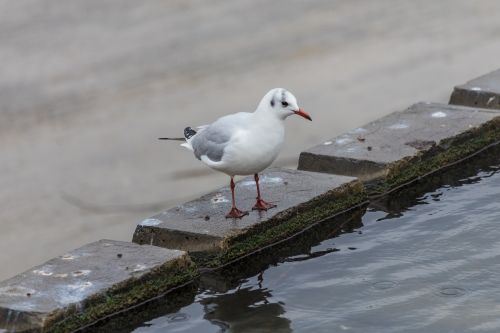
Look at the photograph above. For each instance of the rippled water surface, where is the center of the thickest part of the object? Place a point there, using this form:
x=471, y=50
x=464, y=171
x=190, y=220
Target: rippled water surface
x=429, y=263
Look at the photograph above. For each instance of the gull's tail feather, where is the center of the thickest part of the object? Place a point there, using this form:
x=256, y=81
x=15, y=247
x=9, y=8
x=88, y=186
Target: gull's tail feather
x=188, y=135
x=172, y=139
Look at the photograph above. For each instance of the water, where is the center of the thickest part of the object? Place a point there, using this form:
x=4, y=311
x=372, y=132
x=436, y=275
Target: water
x=425, y=260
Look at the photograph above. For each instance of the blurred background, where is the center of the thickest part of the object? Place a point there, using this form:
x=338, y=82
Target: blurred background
x=87, y=86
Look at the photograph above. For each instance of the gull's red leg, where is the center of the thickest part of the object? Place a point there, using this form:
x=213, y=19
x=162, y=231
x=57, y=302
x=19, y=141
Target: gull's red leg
x=235, y=213
x=260, y=204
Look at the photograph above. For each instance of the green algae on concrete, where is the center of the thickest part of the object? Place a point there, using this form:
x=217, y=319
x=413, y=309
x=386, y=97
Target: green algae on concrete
x=447, y=152
x=126, y=295
x=226, y=278
x=302, y=198
x=288, y=224
x=403, y=146
x=88, y=284
x=481, y=92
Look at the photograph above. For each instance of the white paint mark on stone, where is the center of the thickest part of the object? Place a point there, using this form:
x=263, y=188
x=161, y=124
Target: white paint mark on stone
x=263, y=180
x=327, y=143
x=150, y=222
x=82, y=272
x=351, y=150
x=80, y=286
x=344, y=328
x=43, y=272
x=62, y=275
x=219, y=198
x=139, y=268
x=272, y=180
x=490, y=100
x=475, y=89
x=398, y=126
x=358, y=130
x=438, y=114
x=73, y=293
x=343, y=141
x=68, y=257
x=189, y=209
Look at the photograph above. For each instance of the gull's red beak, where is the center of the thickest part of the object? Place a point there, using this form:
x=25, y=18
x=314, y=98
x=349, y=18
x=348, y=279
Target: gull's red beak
x=303, y=114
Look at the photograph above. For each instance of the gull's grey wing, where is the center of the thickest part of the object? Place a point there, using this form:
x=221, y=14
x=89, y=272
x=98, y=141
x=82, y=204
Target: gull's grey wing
x=212, y=139
x=210, y=142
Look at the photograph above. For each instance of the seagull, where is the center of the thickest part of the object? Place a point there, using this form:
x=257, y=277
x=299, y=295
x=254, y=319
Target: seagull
x=244, y=143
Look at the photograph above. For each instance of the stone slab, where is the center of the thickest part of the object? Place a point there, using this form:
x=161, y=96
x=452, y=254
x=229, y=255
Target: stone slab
x=411, y=140
x=200, y=225
x=74, y=283
x=482, y=92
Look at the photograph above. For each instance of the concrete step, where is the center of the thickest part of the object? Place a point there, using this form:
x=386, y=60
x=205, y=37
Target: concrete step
x=200, y=226
x=405, y=145
x=89, y=283
x=481, y=92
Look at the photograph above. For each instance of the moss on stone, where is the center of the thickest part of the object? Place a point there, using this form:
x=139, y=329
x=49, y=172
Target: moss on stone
x=448, y=151
x=125, y=295
x=285, y=224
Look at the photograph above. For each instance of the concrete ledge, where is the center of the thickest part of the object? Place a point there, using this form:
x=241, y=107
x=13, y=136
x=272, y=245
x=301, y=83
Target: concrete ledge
x=405, y=145
x=482, y=92
x=200, y=227
x=89, y=283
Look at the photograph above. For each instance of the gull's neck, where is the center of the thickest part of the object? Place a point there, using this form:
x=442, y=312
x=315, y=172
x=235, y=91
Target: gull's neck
x=265, y=112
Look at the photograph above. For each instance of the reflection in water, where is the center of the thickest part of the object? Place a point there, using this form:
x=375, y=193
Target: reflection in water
x=423, y=260
x=246, y=309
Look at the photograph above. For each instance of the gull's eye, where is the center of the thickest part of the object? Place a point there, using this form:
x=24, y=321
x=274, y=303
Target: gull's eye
x=284, y=104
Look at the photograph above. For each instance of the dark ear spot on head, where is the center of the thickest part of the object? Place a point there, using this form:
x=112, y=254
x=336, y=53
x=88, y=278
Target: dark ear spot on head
x=272, y=102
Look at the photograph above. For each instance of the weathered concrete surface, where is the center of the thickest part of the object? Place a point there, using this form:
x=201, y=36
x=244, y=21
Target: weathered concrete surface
x=405, y=144
x=482, y=92
x=201, y=226
x=88, y=283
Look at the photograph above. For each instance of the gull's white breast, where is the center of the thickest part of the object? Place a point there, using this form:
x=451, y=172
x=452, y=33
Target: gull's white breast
x=253, y=148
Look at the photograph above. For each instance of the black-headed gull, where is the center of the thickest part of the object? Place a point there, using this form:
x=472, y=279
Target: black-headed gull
x=244, y=143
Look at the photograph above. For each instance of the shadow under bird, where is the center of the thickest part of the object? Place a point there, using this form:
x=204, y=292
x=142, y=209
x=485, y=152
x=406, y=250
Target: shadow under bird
x=244, y=143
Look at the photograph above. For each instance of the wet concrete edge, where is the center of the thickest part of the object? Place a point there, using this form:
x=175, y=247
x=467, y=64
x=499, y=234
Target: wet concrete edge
x=482, y=92
x=447, y=152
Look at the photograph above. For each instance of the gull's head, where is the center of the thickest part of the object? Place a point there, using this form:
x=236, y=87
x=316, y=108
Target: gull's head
x=281, y=103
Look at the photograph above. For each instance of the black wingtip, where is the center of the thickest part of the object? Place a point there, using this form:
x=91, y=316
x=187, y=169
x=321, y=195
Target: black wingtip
x=189, y=132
